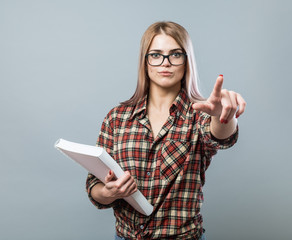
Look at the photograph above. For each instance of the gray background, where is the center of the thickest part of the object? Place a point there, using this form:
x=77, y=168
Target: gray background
x=64, y=64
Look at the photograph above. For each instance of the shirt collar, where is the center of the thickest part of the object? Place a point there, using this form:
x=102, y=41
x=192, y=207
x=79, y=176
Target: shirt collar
x=179, y=106
x=140, y=107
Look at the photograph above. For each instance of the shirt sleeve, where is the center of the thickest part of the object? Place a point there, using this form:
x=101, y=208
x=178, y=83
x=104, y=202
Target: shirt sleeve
x=105, y=140
x=209, y=142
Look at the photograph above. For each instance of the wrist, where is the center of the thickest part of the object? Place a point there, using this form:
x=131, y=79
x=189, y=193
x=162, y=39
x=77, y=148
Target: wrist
x=100, y=194
x=106, y=197
x=222, y=130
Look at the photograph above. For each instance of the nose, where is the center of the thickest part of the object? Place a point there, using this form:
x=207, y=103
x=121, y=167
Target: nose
x=166, y=62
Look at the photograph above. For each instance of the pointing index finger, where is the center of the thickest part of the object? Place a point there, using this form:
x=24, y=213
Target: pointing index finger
x=218, y=86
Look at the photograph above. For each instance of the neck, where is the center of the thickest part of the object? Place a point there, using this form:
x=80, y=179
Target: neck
x=161, y=98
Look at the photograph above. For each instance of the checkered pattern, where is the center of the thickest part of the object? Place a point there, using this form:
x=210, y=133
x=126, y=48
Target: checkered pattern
x=169, y=170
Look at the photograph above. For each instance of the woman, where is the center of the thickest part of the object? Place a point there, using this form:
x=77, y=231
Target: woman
x=164, y=138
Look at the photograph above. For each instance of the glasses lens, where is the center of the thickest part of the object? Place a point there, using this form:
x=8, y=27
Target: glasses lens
x=155, y=59
x=177, y=58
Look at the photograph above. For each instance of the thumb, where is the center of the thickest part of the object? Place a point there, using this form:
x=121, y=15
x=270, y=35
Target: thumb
x=204, y=107
x=110, y=176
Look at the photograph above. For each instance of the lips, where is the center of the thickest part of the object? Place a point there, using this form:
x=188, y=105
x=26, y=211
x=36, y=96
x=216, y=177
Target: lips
x=165, y=73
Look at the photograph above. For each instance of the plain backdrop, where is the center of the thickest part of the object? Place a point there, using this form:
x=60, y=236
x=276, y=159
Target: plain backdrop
x=65, y=63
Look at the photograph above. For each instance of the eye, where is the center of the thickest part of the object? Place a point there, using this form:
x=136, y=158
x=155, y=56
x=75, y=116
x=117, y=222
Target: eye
x=177, y=55
x=155, y=55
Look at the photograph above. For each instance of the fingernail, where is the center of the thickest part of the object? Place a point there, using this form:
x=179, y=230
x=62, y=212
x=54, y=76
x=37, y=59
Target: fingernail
x=226, y=121
x=237, y=115
x=221, y=75
x=110, y=172
x=222, y=121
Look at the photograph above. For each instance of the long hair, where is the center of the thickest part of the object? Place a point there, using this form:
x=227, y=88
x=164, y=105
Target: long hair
x=181, y=36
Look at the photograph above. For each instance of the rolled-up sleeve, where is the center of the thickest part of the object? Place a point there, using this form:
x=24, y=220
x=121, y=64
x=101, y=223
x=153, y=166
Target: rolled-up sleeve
x=209, y=142
x=105, y=140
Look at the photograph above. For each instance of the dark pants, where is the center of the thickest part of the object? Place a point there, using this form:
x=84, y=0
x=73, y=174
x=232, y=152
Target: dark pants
x=203, y=237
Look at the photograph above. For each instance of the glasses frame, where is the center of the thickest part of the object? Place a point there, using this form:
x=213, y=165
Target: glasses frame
x=165, y=56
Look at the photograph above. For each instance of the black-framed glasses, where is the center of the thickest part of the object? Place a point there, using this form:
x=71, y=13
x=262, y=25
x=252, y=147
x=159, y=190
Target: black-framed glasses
x=175, y=59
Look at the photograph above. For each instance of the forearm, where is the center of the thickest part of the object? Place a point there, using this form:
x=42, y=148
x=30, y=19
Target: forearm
x=222, y=131
x=97, y=193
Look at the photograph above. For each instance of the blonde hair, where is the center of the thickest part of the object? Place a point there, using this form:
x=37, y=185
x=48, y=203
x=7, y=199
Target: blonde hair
x=181, y=36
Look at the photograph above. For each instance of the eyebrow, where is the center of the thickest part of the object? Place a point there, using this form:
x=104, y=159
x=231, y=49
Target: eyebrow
x=160, y=51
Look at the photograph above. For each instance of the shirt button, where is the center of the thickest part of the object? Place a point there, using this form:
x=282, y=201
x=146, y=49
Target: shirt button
x=148, y=173
x=141, y=226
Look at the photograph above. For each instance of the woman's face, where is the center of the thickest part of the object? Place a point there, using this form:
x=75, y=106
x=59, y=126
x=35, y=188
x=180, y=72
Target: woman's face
x=165, y=76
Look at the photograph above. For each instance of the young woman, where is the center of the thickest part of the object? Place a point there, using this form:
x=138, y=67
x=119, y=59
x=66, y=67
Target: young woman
x=164, y=138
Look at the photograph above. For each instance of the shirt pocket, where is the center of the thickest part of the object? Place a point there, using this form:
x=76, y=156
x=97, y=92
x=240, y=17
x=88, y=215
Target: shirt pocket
x=173, y=156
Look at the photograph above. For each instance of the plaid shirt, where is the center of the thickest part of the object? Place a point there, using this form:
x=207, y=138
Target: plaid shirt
x=169, y=170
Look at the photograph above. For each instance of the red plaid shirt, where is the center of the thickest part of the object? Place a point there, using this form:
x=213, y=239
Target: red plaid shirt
x=169, y=170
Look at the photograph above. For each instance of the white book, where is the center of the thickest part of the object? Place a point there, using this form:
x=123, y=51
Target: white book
x=98, y=162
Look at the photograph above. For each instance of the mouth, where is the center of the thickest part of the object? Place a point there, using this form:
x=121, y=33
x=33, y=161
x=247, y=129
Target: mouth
x=165, y=73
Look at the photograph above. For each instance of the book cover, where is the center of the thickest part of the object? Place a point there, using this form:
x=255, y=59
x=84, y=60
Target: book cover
x=98, y=162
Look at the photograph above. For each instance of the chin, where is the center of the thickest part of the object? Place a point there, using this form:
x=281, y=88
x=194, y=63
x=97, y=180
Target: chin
x=166, y=82
x=169, y=85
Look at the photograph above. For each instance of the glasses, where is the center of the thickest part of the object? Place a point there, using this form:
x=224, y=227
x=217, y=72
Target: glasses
x=175, y=59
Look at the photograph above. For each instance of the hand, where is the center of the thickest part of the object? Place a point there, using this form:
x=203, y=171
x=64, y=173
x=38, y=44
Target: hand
x=119, y=188
x=222, y=103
